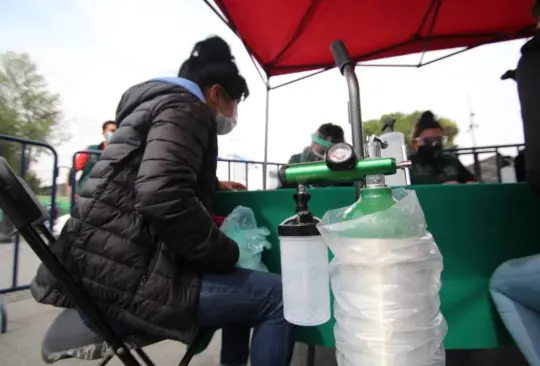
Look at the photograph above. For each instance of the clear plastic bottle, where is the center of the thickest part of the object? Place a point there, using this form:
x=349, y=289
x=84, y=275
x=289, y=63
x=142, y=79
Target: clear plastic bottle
x=304, y=267
x=306, y=286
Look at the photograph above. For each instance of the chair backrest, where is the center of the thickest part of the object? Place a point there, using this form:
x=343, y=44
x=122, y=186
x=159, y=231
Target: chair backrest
x=17, y=200
x=27, y=214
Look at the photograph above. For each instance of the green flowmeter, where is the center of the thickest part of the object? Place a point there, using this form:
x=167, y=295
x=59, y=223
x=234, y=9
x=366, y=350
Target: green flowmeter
x=320, y=172
x=340, y=166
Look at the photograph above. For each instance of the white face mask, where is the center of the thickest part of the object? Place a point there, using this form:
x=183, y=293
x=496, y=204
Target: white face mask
x=225, y=124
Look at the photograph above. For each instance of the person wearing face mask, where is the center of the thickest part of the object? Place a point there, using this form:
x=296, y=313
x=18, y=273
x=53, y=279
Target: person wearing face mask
x=325, y=136
x=430, y=164
x=85, y=162
x=141, y=237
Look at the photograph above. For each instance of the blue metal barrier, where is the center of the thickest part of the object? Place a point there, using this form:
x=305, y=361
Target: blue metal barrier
x=25, y=143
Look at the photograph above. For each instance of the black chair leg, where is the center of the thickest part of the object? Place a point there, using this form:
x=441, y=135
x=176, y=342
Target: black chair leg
x=106, y=360
x=192, y=349
x=144, y=357
x=311, y=355
x=188, y=356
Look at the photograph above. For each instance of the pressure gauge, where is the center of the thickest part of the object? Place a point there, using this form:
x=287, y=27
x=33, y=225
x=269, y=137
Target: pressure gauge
x=340, y=156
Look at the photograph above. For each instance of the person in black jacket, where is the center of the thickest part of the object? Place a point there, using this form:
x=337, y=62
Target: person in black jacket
x=430, y=164
x=141, y=238
x=514, y=285
x=527, y=76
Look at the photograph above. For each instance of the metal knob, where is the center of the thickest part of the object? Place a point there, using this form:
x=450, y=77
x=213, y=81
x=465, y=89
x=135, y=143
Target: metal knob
x=405, y=164
x=376, y=139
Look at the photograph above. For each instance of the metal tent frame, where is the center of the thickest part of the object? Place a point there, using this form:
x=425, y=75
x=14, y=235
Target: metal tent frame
x=266, y=76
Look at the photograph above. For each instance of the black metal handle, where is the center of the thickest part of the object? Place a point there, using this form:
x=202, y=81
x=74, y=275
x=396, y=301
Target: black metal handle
x=341, y=55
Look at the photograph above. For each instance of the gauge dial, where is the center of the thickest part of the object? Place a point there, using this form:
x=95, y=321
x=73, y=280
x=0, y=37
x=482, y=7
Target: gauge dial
x=340, y=156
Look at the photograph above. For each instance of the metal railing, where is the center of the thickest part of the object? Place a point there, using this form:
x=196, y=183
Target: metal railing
x=244, y=164
x=247, y=164
x=494, y=150
x=23, y=163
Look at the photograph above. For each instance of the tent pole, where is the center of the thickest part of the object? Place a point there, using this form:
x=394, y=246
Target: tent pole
x=265, y=165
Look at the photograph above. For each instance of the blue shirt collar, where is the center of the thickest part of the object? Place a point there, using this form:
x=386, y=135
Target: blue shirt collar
x=185, y=83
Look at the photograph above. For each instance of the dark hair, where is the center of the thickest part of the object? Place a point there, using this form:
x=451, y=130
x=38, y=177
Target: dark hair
x=425, y=122
x=332, y=132
x=535, y=10
x=106, y=123
x=210, y=63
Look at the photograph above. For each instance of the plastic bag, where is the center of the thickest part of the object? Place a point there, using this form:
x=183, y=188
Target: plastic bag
x=385, y=277
x=241, y=226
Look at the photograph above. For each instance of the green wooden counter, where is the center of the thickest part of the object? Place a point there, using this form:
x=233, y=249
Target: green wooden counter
x=477, y=227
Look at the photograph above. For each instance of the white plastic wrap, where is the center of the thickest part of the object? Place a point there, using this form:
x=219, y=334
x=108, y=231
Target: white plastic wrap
x=386, y=279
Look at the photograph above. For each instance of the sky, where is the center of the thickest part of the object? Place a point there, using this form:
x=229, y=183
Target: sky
x=91, y=51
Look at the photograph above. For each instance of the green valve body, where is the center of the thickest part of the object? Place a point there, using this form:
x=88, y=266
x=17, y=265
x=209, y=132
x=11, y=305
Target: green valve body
x=371, y=200
x=319, y=172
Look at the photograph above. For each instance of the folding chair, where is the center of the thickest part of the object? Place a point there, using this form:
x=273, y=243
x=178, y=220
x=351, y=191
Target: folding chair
x=68, y=336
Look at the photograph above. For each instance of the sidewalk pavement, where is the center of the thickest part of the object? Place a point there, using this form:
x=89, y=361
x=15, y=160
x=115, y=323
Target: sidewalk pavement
x=28, y=322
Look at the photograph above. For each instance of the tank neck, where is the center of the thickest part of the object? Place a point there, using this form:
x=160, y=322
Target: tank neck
x=373, y=151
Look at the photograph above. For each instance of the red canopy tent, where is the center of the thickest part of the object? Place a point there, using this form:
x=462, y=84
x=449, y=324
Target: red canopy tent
x=288, y=36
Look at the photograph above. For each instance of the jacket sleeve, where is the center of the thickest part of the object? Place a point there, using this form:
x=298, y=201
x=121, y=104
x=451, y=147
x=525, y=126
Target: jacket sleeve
x=166, y=183
x=464, y=175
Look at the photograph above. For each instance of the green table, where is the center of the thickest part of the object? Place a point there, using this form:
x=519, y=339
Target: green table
x=477, y=227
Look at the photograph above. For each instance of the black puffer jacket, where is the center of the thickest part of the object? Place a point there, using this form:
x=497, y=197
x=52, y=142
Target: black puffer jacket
x=141, y=234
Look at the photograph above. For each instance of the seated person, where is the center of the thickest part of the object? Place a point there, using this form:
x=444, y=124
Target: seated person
x=325, y=136
x=430, y=164
x=142, y=240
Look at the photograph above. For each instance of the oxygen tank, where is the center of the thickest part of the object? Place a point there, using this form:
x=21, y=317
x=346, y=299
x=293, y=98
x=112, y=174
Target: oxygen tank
x=385, y=277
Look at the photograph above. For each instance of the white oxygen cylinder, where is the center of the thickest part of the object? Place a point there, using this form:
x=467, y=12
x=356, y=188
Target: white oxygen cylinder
x=304, y=268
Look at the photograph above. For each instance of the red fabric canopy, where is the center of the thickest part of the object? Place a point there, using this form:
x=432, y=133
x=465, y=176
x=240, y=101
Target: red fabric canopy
x=287, y=36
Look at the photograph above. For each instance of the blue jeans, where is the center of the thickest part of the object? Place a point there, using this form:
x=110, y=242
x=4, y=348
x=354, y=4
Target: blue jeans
x=515, y=289
x=239, y=301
